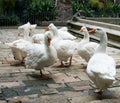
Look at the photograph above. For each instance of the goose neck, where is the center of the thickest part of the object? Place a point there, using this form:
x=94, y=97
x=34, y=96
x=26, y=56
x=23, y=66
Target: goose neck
x=26, y=35
x=103, y=43
x=86, y=35
x=55, y=32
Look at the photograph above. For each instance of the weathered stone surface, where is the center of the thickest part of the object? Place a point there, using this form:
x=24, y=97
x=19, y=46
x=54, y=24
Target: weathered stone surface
x=62, y=78
x=67, y=85
x=49, y=91
x=9, y=84
x=56, y=85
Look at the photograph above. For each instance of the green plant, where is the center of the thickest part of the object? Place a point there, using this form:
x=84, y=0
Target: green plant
x=82, y=5
x=9, y=20
x=96, y=4
x=42, y=10
x=97, y=8
x=1, y=7
x=116, y=10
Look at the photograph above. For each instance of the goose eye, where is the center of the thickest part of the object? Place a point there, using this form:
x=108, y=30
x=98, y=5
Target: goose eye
x=98, y=29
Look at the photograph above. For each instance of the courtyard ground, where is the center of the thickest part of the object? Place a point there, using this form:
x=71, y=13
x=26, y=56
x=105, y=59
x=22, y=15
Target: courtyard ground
x=66, y=85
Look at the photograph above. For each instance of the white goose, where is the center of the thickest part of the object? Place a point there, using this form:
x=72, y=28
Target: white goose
x=64, y=34
x=101, y=68
x=39, y=38
x=41, y=55
x=64, y=28
x=65, y=48
x=86, y=48
x=17, y=46
x=32, y=28
x=36, y=38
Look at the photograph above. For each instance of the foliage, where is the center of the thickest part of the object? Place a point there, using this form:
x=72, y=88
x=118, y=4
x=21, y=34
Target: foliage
x=1, y=7
x=97, y=8
x=116, y=10
x=82, y=5
x=39, y=8
x=96, y=4
x=9, y=20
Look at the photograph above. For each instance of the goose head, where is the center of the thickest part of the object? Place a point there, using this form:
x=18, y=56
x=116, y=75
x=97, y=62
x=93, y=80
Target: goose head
x=101, y=32
x=32, y=29
x=85, y=31
x=52, y=28
x=103, y=38
x=48, y=38
x=23, y=28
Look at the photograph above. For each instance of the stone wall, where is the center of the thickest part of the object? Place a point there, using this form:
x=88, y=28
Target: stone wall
x=64, y=9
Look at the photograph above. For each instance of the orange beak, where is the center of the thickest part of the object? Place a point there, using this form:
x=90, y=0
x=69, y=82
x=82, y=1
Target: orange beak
x=81, y=30
x=92, y=31
x=47, y=29
x=49, y=41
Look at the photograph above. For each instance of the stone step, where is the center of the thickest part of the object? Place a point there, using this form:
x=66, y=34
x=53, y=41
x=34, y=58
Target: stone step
x=111, y=43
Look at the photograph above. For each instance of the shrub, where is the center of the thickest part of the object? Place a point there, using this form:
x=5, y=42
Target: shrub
x=9, y=20
x=97, y=8
x=82, y=5
x=41, y=10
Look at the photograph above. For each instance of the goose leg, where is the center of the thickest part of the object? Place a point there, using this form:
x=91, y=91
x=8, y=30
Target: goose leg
x=43, y=75
x=23, y=61
x=62, y=64
x=70, y=61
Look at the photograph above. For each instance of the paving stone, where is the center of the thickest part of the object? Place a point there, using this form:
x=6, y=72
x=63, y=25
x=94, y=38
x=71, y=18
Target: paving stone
x=56, y=85
x=0, y=63
x=3, y=101
x=9, y=71
x=83, y=76
x=9, y=84
x=1, y=95
x=4, y=65
x=38, y=82
x=81, y=99
x=19, y=76
x=19, y=100
x=0, y=91
x=78, y=97
x=106, y=101
x=21, y=83
x=82, y=88
x=33, y=96
x=70, y=94
x=27, y=70
x=62, y=78
x=55, y=98
x=9, y=93
x=22, y=91
x=7, y=79
x=79, y=83
x=61, y=89
x=48, y=91
x=5, y=75
x=67, y=85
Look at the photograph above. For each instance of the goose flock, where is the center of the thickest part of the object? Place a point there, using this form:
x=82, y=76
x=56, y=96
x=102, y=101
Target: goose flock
x=37, y=51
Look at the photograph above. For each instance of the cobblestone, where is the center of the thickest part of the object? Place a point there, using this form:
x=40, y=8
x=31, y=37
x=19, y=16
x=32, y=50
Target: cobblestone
x=67, y=85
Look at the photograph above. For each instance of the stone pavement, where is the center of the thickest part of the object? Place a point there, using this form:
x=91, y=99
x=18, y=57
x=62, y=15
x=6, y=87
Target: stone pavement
x=66, y=85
